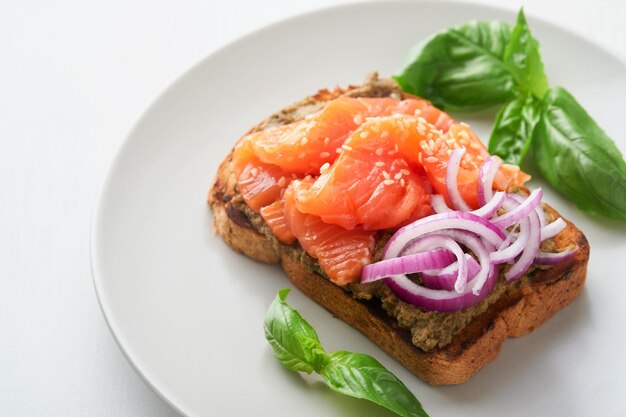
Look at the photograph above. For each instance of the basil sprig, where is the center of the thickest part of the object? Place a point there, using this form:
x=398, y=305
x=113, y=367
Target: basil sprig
x=297, y=346
x=487, y=63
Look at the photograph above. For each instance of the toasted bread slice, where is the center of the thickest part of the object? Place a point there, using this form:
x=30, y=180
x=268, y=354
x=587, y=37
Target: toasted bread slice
x=523, y=307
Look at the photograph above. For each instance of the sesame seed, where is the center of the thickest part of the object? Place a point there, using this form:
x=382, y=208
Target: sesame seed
x=254, y=172
x=388, y=182
x=419, y=157
x=386, y=175
x=281, y=182
x=380, y=164
x=396, y=147
x=431, y=159
x=422, y=120
x=402, y=182
x=474, y=146
x=397, y=176
x=417, y=112
x=464, y=124
x=358, y=119
x=324, y=167
x=405, y=171
x=304, y=141
x=427, y=150
x=364, y=134
x=421, y=130
x=384, y=134
x=463, y=135
x=338, y=150
x=391, y=153
x=463, y=142
x=324, y=154
x=431, y=143
x=346, y=147
x=379, y=151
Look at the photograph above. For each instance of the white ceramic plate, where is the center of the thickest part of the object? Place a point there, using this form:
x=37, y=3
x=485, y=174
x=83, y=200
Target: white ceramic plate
x=188, y=311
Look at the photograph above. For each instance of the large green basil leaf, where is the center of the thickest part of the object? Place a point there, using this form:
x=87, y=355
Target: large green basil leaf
x=362, y=376
x=293, y=339
x=522, y=58
x=462, y=68
x=578, y=158
x=513, y=128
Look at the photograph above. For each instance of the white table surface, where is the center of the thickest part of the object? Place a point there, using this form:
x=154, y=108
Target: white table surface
x=75, y=76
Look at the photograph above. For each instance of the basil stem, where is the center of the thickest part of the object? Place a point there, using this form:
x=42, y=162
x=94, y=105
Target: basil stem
x=298, y=348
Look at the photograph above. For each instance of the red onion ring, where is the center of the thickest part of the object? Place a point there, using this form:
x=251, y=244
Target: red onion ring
x=443, y=221
x=486, y=175
x=530, y=251
x=521, y=211
x=452, y=172
x=549, y=258
x=438, y=204
x=408, y=264
x=444, y=279
x=553, y=229
x=509, y=251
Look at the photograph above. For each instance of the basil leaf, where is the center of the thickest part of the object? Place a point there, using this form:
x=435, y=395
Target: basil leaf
x=298, y=348
x=362, y=376
x=578, y=158
x=294, y=341
x=522, y=58
x=513, y=128
x=462, y=67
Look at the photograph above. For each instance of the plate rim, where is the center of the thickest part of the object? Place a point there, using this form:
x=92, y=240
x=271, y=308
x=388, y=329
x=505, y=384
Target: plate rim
x=106, y=181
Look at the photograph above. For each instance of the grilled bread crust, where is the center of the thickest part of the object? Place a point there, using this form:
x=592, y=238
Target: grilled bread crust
x=520, y=311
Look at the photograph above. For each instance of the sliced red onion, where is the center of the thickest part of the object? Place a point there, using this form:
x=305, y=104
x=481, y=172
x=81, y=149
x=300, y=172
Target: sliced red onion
x=530, y=251
x=409, y=264
x=443, y=221
x=492, y=206
x=452, y=172
x=486, y=175
x=553, y=229
x=508, y=252
x=477, y=246
x=549, y=258
x=438, y=203
x=440, y=300
x=444, y=279
x=521, y=211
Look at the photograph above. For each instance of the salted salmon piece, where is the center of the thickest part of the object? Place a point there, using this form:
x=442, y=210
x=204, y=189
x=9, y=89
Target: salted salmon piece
x=262, y=184
x=306, y=145
x=341, y=253
x=274, y=217
x=375, y=182
x=434, y=155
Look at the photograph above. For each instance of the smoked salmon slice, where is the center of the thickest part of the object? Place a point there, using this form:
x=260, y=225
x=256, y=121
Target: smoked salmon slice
x=274, y=217
x=341, y=253
x=375, y=181
x=262, y=184
x=306, y=145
